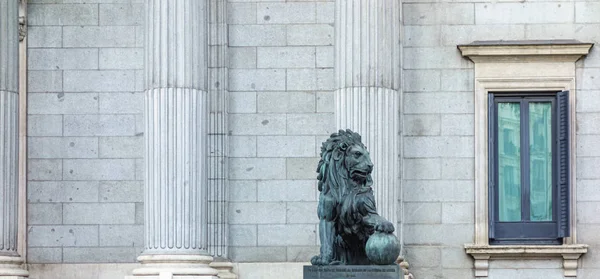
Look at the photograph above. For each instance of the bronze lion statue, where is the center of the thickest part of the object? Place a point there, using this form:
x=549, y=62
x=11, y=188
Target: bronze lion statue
x=346, y=210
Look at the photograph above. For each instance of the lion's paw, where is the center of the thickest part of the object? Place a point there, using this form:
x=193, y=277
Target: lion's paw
x=385, y=227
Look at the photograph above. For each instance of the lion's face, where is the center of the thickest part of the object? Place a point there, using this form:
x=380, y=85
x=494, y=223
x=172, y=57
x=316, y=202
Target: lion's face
x=358, y=162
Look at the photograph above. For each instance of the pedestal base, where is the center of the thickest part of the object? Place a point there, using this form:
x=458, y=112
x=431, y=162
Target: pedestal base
x=175, y=267
x=352, y=271
x=11, y=268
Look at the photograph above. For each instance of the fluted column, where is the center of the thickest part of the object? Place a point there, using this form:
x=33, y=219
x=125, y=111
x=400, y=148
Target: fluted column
x=10, y=261
x=367, y=69
x=176, y=116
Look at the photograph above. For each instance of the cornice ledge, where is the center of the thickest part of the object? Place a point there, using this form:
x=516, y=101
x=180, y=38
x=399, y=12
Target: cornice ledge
x=483, y=253
x=502, y=50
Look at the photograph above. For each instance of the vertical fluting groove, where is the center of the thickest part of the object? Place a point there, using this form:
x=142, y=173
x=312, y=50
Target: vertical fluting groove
x=367, y=74
x=218, y=96
x=175, y=117
x=9, y=125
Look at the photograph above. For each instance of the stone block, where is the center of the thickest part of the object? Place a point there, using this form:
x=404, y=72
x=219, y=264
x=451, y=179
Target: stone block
x=433, y=147
x=286, y=146
x=325, y=57
x=587, y=168
x=242, y=235
x=587, y=145
x=258, y=254
x=62, y=191
x=588, y=190
x=424, y=257
x=458, y=168
x=121, y=103
x=457, y=80
x=121, y=235
x=257, y=168
x=301, y=168
x=421, y=80
x=438, y=13
x=441, y=102
x=256, y=79
x=527, y=13
x=434, y=58
x=242, y=146
x=139, y=169
x=310, y=124
x=44, y=213
x=286, y=235
x=99, y=81
x=458, y=124
x=37, y=255
x=302, y=212
x=99, y=169
x=429, y=168
x=44, y=169
x=285, y=13
x=422, y=213
x=455, y=257
x=62, y=103
x=242, y=57
x=588, y=123
x=458, y=213
x=99, y=125
x=257, y=124
x=421, y=35
x=99, y=213
x=241, y=13
x=325, y=12
x=121, y=58
x=101, y=254
x=62, y=236
x=286, y=190
x=62, y=147
x=242, y=190
x=587, y=101
x=286, y=57
x=453, y=35
x=44, y=36
x=588, y=212
x=44, y=81
x=256, y=213
x=121, y=191
x=60, y=58
x=422, y=124
x=326, y=101
x=425, y=234
x=139, y=213
x=438, y=191
x=121, y=147
x=586, y=78
x=242, y=102
x=122, y=14
x=285, y=102
x=257, y=35
x=62, y=14
x=301, y=253
x=99, y=36
x=310, y=35
x=44, y=125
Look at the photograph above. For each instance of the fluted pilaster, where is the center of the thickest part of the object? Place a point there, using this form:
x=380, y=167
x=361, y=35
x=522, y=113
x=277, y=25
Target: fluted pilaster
x=10, y=260
x=176, y=117
x=367, y=70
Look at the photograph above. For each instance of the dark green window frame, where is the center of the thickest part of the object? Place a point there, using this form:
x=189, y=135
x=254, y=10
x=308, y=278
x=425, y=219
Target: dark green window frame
x=524, y=230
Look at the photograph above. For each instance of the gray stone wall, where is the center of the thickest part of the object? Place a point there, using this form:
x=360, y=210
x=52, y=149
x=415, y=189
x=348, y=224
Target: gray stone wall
x=85, y=131
x=280, y=82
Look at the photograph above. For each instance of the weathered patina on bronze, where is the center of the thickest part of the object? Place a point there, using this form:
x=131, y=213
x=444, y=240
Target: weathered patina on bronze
x=347, y=211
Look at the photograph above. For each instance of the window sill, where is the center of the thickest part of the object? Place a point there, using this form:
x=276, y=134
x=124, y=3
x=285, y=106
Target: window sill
x=483, y=253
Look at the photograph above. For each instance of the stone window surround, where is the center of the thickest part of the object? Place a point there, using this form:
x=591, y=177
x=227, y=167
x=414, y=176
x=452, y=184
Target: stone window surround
x=521, y=66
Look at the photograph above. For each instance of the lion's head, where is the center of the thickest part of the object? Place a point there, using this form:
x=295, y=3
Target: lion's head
x=344, y=160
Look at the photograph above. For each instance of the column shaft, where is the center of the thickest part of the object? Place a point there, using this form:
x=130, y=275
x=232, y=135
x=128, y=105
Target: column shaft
x=176, y=117
x=367, y=52
x=10, y=261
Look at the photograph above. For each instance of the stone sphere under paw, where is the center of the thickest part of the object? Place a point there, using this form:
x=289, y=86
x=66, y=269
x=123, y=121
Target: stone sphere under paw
x=383, y=248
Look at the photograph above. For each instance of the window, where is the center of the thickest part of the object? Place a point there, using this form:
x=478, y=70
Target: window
x=528, y=167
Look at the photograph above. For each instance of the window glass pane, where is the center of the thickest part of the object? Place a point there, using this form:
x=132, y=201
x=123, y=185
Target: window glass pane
x=540, y=161
x=509, y=162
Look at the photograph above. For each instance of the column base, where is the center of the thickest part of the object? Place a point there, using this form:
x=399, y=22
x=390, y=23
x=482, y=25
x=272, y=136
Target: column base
x=11, y=267
x=225, y=270
x=175, y=267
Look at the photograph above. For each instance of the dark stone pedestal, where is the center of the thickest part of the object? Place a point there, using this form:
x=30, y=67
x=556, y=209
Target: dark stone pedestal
x=352, y=272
